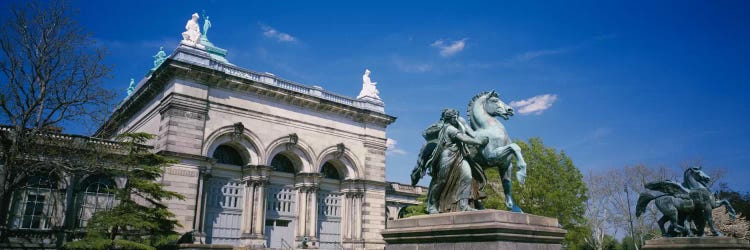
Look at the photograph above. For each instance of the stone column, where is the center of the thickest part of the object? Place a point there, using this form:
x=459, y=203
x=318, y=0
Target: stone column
x=301, y=214
x=247, y=211
x=345, y=216
x=259, y=209
x=307, y=185
x=312, y=208
x=253, y=210
x=357, y=234
x=353, y=193
x=199, y=237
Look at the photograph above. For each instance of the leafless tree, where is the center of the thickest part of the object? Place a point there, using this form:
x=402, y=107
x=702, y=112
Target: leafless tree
x=52, y=75
x=607, y=210
x=597, y=209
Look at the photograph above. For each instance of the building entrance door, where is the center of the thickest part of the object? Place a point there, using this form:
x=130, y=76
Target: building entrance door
x=224, y=211
x=280, y=217
x=329, y=220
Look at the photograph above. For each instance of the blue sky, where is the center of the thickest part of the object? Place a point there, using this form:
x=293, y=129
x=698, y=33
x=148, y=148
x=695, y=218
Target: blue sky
x=616, y=84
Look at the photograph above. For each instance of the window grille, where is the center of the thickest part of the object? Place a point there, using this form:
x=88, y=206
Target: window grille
x=34, y=206
x=96, y=195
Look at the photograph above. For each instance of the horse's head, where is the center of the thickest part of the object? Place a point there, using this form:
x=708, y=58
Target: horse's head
x=698, y=175
x=495, y=107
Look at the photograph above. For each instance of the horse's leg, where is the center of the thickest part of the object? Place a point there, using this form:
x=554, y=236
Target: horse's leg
x=730, y=209
x=514, y=150
x=668, y=207
x=682, y=217
x=505, y=178
x=710, y=220
x=700, y=224
x=675, y=223
x=661, y=222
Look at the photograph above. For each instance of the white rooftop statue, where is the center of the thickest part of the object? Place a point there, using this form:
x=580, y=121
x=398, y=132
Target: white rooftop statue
x=192, y=32
x=368, y=87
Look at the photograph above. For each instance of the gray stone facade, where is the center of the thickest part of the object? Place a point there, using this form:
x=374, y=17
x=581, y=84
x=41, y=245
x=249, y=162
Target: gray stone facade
x=195, y=104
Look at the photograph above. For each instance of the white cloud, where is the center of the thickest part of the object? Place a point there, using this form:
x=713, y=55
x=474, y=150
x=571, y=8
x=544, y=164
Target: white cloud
x=391, y=148
x=534, y=105
x=270, y=32
x=448, y=48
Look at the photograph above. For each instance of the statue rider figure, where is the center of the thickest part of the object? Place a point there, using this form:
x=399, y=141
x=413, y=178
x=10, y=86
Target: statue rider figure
x=453, y=186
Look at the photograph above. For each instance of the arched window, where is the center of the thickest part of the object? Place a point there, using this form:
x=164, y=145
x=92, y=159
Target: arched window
x=96, y=194
x=329, y=171
x=227, y=155
x=282, y=163
x=34, y=204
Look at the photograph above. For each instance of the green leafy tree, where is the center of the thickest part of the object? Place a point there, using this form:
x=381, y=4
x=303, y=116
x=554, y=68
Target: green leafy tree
x=628, y=244
x=417, y=209
x=139, y=220
x=554, y=187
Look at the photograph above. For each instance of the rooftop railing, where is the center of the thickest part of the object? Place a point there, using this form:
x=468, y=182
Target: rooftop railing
x=52, y=138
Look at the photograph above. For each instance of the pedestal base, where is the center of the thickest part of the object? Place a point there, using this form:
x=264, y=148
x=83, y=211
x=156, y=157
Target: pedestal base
x=697, y=243
x=204, y=247
x=485, y=229
x=253, y=241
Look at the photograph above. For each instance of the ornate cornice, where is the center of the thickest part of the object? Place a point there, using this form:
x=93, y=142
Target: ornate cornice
x=256, y=174
x=307, y=182
x=199, y=67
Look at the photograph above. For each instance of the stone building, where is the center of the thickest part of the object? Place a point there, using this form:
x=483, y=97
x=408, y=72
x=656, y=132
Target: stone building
x=263, y=162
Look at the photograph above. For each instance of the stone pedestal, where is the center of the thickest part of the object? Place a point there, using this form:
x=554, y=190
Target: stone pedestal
x=485, y=229
x=204, y=247
x=697, y=243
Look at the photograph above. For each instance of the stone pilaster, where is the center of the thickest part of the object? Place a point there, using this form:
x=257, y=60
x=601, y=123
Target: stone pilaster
x=353, y=199
x=182, y=125
x=253, y=212
x=199, y=236
x=373, y=203
x=307, y=185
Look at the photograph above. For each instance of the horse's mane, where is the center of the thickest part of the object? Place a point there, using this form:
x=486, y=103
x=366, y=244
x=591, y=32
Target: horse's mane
x=471, y=105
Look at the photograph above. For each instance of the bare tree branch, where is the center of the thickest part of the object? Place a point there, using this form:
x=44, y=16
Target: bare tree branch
x=51, y=74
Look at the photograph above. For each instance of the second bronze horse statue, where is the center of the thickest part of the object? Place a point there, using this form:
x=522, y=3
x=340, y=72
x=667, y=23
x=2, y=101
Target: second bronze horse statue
x=684, y=204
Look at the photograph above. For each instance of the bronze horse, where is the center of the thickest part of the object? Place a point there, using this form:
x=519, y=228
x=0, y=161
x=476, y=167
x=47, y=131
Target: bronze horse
x=683, y=204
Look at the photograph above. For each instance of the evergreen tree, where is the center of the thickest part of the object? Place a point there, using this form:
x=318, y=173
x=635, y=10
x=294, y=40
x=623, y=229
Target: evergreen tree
x=139, y=220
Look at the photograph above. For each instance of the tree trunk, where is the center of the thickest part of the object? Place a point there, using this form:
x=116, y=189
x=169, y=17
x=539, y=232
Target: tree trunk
x=5, y=200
